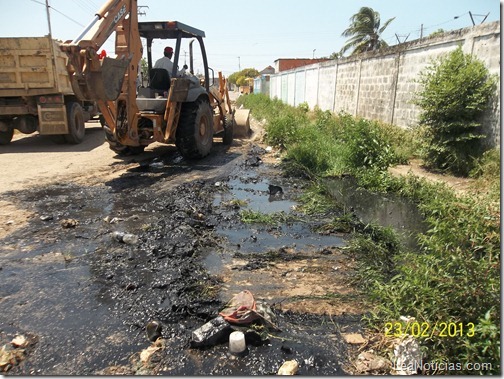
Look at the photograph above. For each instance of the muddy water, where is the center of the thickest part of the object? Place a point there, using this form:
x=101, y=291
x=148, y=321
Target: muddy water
x=385, y=210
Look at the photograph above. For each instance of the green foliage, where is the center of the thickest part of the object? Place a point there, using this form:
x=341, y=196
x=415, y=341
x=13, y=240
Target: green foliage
x=456, y=91
x=368, y=145
x=486, y=171
x=240, y=78
x=438, y=32
x=455, y=277
x=365, y=32
x=262, y=107
x=250, y=217
x=320, y=143
x=315, y=200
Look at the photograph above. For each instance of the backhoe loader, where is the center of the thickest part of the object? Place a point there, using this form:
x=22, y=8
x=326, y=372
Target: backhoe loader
x=179, y=108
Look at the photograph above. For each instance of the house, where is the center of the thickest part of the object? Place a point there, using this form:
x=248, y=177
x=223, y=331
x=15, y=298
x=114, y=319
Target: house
x=261, y=83
x=284, y=64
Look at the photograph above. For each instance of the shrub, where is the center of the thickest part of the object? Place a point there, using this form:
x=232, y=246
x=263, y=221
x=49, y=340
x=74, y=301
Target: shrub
x=454, y=278
x=457, y=89
x=368, y=145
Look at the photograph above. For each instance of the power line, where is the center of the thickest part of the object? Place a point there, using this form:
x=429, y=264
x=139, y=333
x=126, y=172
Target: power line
x=57, y=11
x=86, y=6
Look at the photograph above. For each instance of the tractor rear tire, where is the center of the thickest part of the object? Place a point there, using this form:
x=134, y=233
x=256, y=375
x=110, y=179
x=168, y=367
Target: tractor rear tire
x=194, y=136
x=119, y=148
x=76, y=126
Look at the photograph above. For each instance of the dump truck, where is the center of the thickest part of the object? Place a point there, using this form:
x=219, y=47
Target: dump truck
x=177, y=107
x=36, y=94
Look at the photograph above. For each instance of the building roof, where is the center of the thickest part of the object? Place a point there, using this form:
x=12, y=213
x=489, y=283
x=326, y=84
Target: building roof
x=284, y=64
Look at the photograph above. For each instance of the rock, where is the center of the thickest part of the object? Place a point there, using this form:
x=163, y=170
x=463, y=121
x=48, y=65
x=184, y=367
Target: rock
x=118, y=236
x=354, y=338
x=19, y=341
x=153, y=330
x=288, y=368
x=274, y=190
x=211, y=333
x=127, y=238
x=156, y=166
x=370, y=362
x=113, y=220
x=69, y=223
x=130, y=239
x=146, y=353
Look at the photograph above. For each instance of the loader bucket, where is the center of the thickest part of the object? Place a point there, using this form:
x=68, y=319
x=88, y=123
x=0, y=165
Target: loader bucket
x=113, y=71
x=105, y=84
x=242, y=123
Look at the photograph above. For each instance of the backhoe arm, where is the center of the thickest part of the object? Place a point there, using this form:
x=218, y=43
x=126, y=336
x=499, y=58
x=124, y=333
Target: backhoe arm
x=111, y=82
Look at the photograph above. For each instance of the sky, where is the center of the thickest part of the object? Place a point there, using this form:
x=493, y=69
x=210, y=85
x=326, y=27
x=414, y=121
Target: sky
x=253, y=34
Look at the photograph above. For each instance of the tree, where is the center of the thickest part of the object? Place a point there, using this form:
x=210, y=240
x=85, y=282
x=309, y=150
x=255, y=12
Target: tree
x=438, y=32
x=365, y=32
x=240, y=78
x=336, y=55
x=456, y=90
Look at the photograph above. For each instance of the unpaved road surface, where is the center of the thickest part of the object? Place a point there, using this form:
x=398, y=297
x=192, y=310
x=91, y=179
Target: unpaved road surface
x=82, y=297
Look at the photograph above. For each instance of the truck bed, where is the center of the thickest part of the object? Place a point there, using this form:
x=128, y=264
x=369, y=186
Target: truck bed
x=27, y=68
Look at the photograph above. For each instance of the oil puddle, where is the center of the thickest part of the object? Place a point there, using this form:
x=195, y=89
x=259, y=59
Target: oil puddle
x=385, y=210
x=253, y=193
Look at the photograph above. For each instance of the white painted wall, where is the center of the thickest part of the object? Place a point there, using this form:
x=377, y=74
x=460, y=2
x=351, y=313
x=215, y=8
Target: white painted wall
x=381, y=86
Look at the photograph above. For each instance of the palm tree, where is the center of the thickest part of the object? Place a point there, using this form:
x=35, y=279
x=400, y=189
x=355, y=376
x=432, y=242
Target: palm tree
x=365, y=32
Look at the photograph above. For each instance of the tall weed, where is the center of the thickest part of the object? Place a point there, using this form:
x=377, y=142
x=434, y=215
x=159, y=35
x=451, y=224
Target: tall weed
x=455, y=277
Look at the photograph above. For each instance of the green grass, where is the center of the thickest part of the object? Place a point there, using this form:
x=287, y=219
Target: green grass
x=455, y=277
x=253, y=217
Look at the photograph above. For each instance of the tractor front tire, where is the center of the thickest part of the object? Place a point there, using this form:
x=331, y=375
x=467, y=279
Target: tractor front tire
x=119, y=148
x=227, y=138
x=194, y=136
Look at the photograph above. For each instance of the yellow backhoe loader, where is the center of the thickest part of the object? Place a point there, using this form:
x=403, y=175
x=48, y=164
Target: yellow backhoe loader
x=177, y=107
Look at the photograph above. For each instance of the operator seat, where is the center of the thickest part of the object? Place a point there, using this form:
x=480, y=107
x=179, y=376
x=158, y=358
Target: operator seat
x=159, y=80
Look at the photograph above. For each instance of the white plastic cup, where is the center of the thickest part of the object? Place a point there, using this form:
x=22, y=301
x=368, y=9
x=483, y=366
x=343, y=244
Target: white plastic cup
x=237, y=343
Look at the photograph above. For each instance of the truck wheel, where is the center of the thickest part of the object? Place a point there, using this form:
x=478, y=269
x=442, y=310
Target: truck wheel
x=227, y=139
x=76, y=126
x=118, y=147
x=6, y=137
x=194, y=136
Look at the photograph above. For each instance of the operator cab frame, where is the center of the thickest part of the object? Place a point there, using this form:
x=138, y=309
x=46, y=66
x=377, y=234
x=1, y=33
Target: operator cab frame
x=175, y=30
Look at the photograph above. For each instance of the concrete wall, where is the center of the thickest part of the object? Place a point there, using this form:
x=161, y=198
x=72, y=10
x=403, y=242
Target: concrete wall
x=381, y=86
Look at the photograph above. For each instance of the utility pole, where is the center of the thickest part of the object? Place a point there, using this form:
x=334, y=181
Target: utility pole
x=313, y=56
x=421, y=31
x=239, y=66
x=48, y=18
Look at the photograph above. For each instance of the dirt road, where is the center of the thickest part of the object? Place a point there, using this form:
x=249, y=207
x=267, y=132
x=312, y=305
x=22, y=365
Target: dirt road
x=82, y=296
